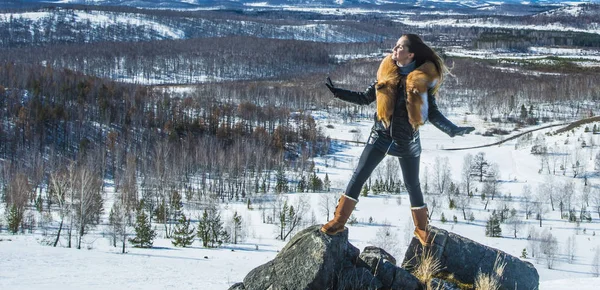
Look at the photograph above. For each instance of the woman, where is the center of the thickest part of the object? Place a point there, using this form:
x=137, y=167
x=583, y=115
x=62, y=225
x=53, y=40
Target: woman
x=407, y=81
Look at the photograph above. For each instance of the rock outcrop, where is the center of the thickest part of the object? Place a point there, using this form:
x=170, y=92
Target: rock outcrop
x=313, y=260
x=464, y=259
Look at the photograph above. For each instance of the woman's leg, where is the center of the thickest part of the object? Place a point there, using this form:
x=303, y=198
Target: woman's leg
x=369, y=159
x=410, y=174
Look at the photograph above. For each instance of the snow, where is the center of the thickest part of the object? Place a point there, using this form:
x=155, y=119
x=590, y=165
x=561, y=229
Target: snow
x=26, y=262
x=490, y=23
x=101, y=18
x=101, y=266
x=534, y=53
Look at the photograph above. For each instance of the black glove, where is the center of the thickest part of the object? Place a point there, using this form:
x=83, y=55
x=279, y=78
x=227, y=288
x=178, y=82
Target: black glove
x=331, y=87
x=460, y=131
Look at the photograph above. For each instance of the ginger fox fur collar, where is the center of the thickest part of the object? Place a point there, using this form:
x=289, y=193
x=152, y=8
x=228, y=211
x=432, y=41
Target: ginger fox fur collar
x=418, y=82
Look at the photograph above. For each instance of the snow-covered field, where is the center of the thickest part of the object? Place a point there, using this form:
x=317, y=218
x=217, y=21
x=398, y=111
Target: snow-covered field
x=27, y=264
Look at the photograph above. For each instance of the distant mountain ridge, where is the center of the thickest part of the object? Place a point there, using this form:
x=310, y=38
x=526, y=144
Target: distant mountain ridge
x=258, y=4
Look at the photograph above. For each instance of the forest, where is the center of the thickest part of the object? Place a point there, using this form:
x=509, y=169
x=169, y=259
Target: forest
x=85, y=106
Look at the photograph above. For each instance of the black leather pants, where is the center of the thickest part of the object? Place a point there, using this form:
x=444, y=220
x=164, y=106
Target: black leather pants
x=371, y=156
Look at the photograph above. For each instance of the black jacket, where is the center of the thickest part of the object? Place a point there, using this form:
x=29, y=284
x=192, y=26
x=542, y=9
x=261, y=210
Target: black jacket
x=406, y=141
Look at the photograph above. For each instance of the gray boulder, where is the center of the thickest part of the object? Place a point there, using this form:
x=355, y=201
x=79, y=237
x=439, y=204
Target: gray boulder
x=383, y=266
x=310, y=260
x=313, y=260
x=464, y=259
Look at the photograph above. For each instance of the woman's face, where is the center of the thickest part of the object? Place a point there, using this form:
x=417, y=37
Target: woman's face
x=400, y=52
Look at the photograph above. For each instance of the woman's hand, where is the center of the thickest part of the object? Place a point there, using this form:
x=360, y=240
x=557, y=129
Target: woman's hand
x=331, y=87
x=460, y=131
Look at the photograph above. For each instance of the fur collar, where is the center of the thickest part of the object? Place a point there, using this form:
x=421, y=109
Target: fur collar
x=418, y=82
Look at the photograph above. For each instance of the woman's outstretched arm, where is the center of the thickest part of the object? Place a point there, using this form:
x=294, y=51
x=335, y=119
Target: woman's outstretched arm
x=359, y=98
x=441, y=122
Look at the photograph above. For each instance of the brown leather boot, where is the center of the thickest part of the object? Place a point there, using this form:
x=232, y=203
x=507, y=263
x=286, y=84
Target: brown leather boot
x=421, y=219
x=342, y=213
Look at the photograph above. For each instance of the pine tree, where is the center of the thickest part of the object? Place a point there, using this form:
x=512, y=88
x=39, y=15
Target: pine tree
x=183, y=235
x=210, y=228
x=144, y=234
x=523, y=112
x=237, y=227
x=365, y=191
x=492, y=227
x=326, y=182
x=281, y=185
x=204, y=229
x=14, y=218
x=283, y=219
x=218, y=234
x=316, y=184
x=302, y=184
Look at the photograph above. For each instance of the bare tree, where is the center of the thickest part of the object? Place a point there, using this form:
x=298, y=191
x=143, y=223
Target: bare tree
x=533, y=242
x=596, y=263
x=527, y=201
x=479, y=166
x=564, y=196
x=595, y=197
x=539, y=204
x=548, y=248
x=328, y=202
x=61, y=193
x=514, y=222
x=462, y=202
x=466, y=174
x=585, y=195
x=88, y=200
x=576, y=164
x=387, y=238
x=492, y=184
x=442, y=176
x=570, y=249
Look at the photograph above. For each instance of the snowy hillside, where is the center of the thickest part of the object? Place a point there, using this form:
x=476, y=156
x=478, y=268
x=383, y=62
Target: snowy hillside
x=194, y=105
x=165, y=266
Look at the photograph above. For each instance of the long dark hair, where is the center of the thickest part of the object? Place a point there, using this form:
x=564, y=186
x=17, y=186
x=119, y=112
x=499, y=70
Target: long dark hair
x=425, y=53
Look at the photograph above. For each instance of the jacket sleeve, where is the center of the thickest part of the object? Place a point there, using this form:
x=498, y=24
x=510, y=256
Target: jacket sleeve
x=438, y=119
x=359, y=98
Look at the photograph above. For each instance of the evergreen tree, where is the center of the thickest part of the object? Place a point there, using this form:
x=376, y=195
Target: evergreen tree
x=204, y=229
x=316, y=184
x=210, y=228
x=523, y=112
x=115, y=222
x=281, y=185
x=183, y=235
x=159, y=213
x=14, y=217
x=283, y=219
x=237, y=227
x=144, y=234
x=365, y=191
x=302, y=184
x=326, y=182
x=218, y=234
x=492, y=227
